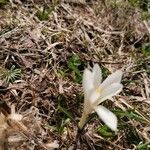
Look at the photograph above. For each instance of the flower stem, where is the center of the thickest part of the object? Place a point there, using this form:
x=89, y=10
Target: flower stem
x=83, y=120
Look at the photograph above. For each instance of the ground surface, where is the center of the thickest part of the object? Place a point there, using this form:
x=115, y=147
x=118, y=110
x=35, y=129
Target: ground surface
x=49, y=43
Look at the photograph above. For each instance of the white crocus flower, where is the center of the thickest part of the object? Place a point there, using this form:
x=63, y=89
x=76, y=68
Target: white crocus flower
x=96, y=92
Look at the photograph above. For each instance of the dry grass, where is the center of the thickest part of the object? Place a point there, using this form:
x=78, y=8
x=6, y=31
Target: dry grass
x=102, y=32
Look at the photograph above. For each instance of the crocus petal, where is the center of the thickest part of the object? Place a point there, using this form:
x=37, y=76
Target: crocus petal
x=107, y=117
x=113, y=78
x=97, y=75
x=87, y=82
x=109, y=91
x=93, y=97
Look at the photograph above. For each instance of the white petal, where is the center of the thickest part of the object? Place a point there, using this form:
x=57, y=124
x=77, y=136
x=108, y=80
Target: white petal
x=113, y=78
x=87, y=81
x=94, y=96
x=97, y=75
x=90, y=100
x=110, y=91
x=107, y=117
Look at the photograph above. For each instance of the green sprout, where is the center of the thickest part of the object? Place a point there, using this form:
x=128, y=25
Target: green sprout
x=10, y=75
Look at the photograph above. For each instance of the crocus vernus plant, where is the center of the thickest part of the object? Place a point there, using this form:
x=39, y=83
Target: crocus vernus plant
x=96, y=92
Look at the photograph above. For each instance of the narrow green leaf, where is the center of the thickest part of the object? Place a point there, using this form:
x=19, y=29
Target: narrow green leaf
x=68, y=114
x=105, y=131
x=143, y=146
x=131, y=114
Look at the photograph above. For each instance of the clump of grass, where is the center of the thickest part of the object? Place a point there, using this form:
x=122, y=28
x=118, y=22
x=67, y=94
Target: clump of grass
x=44, y=12
x=11, y=75
x=74, y=63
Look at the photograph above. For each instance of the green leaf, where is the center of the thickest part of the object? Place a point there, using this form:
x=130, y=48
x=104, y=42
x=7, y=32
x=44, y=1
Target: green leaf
x=143, y=146
x=63, y=120
x=49, y=127
x=65, y=111
x=73, y=63
x=3, y=2
x=146, y=49
x=131, y=114
x=105, y=131
x=105, y=71
x=10, y=75
x=62, y=125
x=42, y=14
